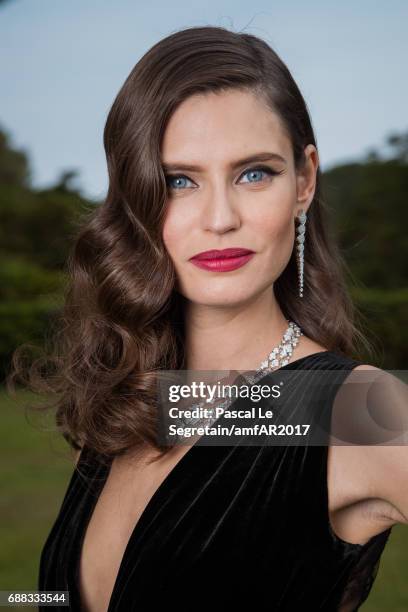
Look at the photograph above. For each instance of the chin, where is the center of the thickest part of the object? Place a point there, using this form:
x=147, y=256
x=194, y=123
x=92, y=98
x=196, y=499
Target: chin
x=224, y=298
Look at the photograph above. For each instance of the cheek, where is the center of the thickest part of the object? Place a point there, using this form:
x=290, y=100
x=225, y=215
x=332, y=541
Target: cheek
x=276, y=233
x=272, y=214
x=174, y=228
x=274, y=223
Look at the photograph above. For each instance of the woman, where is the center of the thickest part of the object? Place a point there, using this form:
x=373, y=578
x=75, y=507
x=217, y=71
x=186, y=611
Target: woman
x=209, y=147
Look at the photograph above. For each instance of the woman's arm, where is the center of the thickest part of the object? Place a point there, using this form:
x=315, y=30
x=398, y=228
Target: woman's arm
x=388, y=459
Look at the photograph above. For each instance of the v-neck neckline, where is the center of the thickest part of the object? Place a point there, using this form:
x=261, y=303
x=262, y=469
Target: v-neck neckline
x=102, y=474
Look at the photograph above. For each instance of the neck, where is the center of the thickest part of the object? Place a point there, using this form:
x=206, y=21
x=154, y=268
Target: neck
x=232, y=338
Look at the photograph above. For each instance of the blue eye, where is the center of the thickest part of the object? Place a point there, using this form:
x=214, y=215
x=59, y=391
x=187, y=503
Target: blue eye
x=177, y=178
x=257, y=173
x=178, y=181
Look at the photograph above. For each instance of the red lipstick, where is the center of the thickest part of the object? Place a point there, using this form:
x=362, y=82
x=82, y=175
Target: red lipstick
x=222, y=260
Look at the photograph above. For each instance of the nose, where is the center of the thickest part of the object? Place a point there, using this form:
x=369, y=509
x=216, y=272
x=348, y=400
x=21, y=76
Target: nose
x=220, y=211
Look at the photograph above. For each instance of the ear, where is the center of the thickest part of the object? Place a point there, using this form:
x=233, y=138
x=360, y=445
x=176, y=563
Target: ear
x=306, y=178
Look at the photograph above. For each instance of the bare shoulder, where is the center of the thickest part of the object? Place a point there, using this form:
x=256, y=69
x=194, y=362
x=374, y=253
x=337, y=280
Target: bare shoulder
x=366, y=366
x=370, y=418
x=370, y=409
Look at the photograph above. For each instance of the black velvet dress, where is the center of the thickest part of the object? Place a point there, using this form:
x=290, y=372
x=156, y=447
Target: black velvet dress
x=231, y=527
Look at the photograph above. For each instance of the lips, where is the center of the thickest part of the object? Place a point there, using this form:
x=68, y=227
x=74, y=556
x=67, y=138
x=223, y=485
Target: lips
x=223, y=254
x=222, y=261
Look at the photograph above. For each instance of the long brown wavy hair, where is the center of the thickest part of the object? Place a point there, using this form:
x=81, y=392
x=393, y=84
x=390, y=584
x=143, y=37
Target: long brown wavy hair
x=122, y=319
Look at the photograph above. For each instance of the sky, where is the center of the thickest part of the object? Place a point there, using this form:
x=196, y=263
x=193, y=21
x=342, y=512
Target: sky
x=62, y=64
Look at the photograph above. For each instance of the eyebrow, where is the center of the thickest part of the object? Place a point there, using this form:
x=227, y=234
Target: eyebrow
x=257, y=157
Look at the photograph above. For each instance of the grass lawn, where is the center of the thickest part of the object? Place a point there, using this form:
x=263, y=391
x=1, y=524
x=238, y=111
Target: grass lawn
x=36, y=467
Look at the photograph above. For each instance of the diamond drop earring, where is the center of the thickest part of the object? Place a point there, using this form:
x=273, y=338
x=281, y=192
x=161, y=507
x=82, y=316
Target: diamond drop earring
x=300, y=247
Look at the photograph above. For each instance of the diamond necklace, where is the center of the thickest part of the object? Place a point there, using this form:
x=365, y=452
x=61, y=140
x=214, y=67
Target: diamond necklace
x=279, y=356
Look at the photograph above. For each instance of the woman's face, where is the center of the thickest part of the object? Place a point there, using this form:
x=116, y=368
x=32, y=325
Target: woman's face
x=218, y=198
